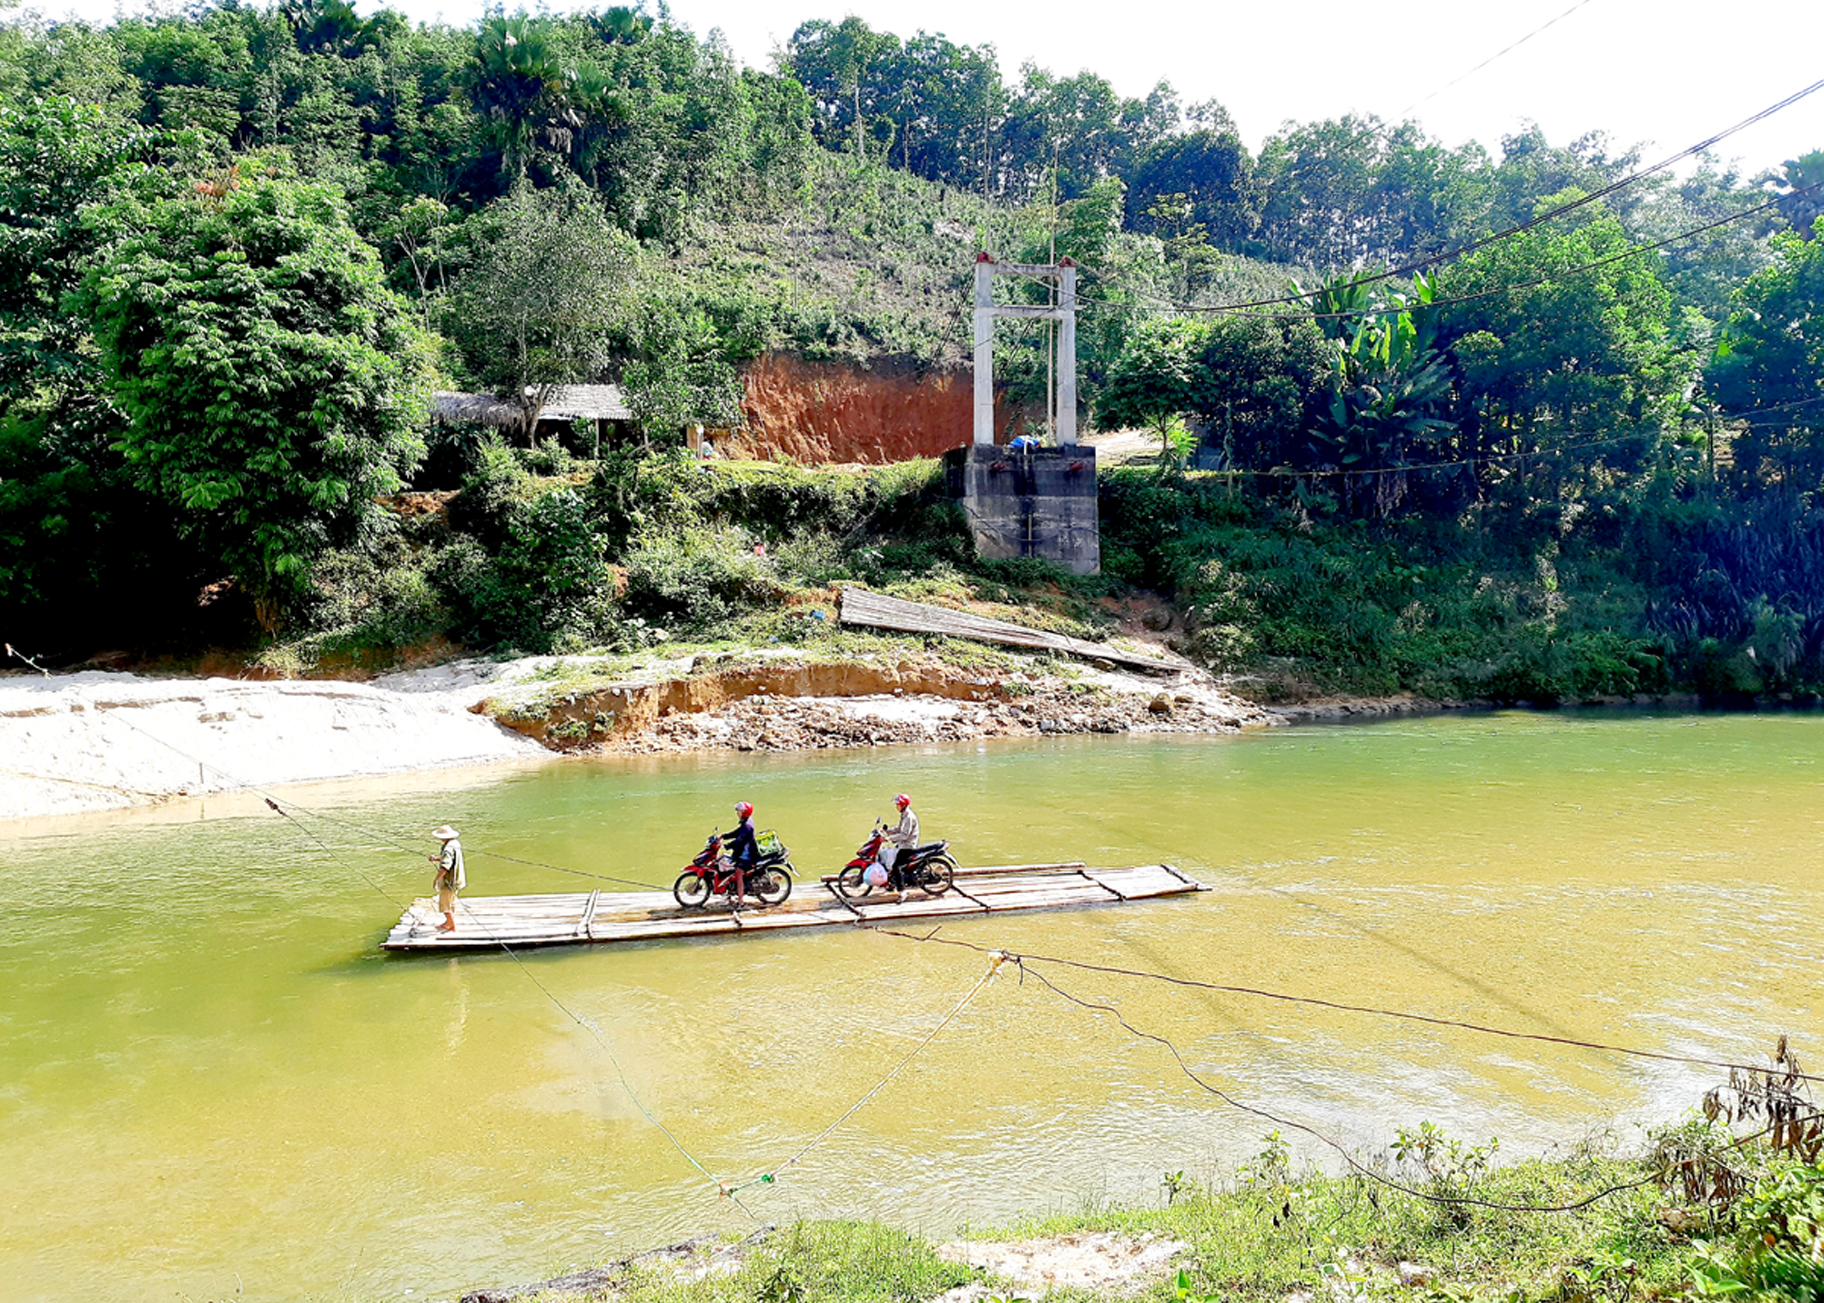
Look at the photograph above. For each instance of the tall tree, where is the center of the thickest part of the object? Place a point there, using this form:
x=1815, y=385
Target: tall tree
x=81, y=548
x=1769, y=367
x=1260, y=386
x=1319, y=182
x=270, y=380
x=1567, y=339
x=1154, y=382
x=1215, y=175
x=1801, y=192
x=546, y=286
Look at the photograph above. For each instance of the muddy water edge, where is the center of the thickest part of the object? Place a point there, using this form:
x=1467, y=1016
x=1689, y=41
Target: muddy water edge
x=211, y=1080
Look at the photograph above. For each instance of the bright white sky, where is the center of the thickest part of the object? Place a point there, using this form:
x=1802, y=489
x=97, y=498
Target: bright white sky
x=1662, y=71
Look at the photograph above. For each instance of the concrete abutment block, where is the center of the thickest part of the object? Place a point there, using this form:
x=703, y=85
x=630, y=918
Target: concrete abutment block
x=1030, y=502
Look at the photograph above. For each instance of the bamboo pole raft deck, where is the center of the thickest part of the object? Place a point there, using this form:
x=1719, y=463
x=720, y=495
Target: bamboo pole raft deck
x=595, y=917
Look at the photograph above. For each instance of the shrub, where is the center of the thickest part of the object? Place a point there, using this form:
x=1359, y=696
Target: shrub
x=697, y=579
x=547, y=589
x=492, y=491
x=816, y=560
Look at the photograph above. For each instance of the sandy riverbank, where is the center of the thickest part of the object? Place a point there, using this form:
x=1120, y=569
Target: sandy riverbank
x=94, y=741
x=76, y=743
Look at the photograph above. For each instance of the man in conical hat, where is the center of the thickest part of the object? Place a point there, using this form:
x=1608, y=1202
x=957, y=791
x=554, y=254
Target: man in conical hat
x=449, y=879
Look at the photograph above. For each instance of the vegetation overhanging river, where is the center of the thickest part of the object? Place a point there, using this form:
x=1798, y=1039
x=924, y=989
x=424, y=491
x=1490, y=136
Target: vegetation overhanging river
x=212, y=1083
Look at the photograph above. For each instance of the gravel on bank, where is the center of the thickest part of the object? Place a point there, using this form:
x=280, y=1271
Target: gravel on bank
x=93, y=741
x=1096, y=701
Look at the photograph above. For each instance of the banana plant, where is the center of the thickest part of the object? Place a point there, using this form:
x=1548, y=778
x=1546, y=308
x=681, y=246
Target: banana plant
x=1389, y=382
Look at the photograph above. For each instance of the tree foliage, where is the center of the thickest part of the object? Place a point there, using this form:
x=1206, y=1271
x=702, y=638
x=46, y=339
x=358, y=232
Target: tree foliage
x=546, y=284
x=1153, y=381
x=606, y=195
x=1769, y=368
x=269, y=380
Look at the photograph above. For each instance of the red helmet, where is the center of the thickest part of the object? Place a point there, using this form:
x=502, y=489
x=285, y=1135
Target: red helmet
x=743, y=810
x=902, y=800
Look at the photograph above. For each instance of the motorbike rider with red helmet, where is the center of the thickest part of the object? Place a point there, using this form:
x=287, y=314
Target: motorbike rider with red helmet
x=741, y=846
x=899, y=841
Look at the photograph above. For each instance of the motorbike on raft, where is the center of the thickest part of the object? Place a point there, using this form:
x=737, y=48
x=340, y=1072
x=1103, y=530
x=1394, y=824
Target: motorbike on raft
x=768, y=880
x=928, y=868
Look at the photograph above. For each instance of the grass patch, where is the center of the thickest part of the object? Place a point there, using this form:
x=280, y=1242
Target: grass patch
x=1267, y=1235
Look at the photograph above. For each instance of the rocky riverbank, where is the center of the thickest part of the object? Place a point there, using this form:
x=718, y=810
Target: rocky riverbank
x=95, y=741
x=783, y=701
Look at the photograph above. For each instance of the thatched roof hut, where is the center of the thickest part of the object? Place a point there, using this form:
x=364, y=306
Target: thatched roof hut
x=567, y=403
x=601, y=408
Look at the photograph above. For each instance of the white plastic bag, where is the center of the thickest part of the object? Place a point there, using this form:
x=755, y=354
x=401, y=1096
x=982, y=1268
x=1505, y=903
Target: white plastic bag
x=876, y=874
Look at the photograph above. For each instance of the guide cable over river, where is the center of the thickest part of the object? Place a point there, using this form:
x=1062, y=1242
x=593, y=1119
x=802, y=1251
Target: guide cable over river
x=1809, y=1120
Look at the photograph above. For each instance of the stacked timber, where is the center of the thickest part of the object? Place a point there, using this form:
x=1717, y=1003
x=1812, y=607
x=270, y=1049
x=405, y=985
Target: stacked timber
x=595, y=917
x=877, y=610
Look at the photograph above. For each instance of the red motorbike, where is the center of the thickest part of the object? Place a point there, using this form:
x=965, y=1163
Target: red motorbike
x=928, y=867
x=768, y=879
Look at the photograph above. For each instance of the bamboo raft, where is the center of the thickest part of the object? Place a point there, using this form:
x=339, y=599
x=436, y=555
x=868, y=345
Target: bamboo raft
x=595, y=917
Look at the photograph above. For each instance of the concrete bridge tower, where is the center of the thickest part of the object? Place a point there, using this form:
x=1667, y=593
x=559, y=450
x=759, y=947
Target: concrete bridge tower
x=1029, y=500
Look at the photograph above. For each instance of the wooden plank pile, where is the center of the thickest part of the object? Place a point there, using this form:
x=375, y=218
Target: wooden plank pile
x=877, y=610
x=596, y=917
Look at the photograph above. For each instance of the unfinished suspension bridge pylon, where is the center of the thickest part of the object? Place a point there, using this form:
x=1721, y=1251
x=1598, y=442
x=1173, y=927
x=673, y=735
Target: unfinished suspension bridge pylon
x=1037, y=499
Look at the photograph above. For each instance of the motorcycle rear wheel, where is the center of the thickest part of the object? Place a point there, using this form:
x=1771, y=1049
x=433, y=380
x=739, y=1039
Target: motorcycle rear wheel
x=774, y=884
x=853, y=882
x=691, y=890
x=937, y=874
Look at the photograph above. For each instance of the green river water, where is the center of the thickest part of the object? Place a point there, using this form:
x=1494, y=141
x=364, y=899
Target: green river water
x=212, y=1083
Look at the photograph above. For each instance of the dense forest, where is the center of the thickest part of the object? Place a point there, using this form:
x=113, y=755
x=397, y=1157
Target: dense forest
x=1548, y=424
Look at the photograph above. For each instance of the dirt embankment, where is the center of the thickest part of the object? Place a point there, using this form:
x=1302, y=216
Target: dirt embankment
x=829, y=411
x=786, y=705
x=73, y=743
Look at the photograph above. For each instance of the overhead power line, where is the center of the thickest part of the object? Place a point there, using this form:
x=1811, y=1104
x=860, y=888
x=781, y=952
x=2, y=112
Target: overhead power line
x=1406, y=269
x=1630, y=252
x=1508, y=49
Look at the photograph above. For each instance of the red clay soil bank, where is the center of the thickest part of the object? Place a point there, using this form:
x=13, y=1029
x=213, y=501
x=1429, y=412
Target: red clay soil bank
x=833, y=411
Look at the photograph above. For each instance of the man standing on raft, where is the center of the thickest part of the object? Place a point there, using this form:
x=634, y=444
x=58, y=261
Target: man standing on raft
x=449, y=879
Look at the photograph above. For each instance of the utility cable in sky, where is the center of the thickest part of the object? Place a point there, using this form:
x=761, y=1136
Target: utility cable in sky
x=1601, y=192
x=1633, y=251
x=1401, y=115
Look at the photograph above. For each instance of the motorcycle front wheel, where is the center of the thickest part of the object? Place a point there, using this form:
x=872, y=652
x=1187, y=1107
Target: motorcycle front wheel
x=937, y=874
x=691, y=890
x=853, y=882
x=774, y=885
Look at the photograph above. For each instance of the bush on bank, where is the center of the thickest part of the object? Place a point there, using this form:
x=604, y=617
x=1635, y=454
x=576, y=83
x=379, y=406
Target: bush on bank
x=1604, y=598
x=1507, y=601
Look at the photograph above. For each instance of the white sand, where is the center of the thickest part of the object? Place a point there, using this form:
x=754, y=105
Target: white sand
x=72, y=743
x=96, y=741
